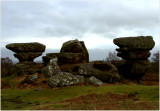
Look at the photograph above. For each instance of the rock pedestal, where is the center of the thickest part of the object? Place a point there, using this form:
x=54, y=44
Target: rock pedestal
x=72, y=52
x=135, y=50
x=26, y=53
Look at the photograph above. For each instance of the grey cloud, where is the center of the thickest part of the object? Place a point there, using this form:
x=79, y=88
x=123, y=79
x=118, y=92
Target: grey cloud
x=76, y=18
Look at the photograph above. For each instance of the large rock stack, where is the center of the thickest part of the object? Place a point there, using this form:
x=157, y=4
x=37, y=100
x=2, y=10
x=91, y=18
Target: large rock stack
x=135, y=50
x=26, y=53
x=72, y=52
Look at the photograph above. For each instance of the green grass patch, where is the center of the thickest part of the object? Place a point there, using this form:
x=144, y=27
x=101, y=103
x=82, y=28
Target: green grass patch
x=13, y=99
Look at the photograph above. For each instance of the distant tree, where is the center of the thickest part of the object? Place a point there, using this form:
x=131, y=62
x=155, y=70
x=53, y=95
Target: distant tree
x=6, y=61
x=155, y=57
x=155, y=63
x=112, y=57
x=7, y=67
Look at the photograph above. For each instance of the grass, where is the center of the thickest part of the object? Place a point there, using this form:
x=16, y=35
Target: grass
x=14, y=99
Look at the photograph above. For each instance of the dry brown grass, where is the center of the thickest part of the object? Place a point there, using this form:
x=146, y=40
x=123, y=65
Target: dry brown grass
x=107, y=101
x=151, y=78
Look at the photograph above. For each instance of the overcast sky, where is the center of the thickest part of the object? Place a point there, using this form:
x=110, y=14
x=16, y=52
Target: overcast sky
x=96, y=22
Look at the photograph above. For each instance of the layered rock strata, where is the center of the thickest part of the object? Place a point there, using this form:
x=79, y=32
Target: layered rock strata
x=135, y=50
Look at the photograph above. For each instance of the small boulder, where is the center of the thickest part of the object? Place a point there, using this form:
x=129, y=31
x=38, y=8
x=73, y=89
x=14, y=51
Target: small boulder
x=95, y=81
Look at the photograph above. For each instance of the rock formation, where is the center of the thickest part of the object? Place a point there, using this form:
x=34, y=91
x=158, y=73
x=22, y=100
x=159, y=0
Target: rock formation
x=59, y=78
x=72, y=52
x=135, y=50
x=104, y=71
x=26, y=53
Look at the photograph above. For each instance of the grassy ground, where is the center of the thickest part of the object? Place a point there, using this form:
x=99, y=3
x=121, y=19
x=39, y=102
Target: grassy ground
x=82, y=97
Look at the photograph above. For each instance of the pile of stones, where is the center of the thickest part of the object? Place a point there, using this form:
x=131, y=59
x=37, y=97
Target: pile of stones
x=135, y=50
x=72, y=52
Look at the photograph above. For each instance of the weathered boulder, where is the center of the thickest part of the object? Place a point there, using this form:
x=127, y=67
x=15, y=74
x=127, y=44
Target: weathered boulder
x=103, y=71
x=30, y=79
x=26, y=47
x=95, y=81
x=135, y=50
x=75, y=46
x=65, y=79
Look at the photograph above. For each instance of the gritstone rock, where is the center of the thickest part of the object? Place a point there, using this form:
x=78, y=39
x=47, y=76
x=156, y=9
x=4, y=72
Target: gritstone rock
x=135, y=50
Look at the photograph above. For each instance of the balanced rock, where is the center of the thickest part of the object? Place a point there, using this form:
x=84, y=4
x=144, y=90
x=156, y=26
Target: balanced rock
x=135, y=50
x=101, y=70
x=26, y=52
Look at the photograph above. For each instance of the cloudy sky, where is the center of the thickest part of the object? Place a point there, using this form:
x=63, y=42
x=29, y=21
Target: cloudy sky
x=96, y=22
